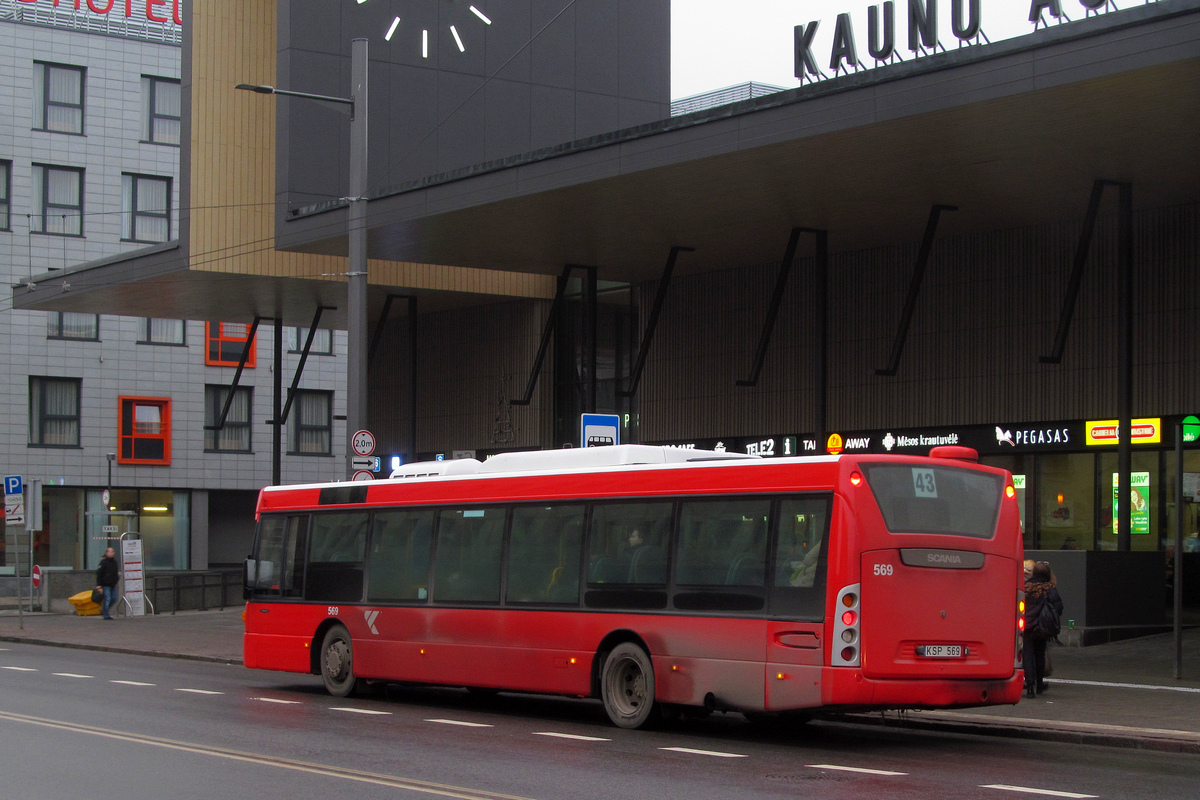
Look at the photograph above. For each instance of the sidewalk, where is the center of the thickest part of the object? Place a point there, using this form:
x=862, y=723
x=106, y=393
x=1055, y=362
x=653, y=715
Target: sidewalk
x=1120, y=694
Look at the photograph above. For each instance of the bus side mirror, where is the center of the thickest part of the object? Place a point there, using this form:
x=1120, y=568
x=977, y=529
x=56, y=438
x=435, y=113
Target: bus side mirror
x=248, y=578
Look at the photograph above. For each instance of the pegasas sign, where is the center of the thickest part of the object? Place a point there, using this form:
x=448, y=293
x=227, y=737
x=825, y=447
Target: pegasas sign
x=967, y=20
x=152, y=10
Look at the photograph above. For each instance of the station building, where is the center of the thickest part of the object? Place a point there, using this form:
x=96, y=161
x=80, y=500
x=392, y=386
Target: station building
x=959, y=241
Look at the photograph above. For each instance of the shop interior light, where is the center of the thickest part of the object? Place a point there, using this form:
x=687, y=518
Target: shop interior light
x=154, y=508
x=1060, y=498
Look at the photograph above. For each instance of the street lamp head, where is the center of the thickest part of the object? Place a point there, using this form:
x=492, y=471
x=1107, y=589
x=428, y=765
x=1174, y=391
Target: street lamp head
x=112, y=457
x=250, y=87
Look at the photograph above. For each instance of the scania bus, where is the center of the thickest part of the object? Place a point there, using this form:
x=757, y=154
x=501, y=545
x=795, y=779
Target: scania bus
x=653, y=579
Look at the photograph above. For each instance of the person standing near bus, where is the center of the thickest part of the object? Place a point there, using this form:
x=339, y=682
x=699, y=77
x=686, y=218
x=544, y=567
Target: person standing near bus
x=106, y=581
x=1039, y=592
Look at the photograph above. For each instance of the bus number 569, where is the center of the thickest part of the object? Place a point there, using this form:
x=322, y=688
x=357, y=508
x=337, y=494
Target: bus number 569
x=883, y=569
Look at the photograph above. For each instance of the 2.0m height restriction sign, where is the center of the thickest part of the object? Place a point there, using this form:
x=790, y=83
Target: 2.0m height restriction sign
x=363, y=443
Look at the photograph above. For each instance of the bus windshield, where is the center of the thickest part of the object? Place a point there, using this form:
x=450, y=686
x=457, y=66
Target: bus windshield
x=936, y=499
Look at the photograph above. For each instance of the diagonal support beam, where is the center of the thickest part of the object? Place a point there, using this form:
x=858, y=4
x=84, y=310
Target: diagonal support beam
x=547, y=332
x=1081, y=254
x=914, y=289
x=660, y=296
x=781, y=281
x=291, y=393
x=237, y=376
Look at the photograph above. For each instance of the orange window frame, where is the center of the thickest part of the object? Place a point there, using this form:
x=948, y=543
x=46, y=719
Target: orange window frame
x=138, y=447
x=226, y=342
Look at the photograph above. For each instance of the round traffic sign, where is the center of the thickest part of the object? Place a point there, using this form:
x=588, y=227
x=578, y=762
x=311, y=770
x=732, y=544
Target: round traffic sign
x=363, y=443
x=105, y=498
x=363, y=475
x=36, y=576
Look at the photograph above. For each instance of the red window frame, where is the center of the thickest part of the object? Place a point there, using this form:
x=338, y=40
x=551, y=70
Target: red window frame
x=135, y=447
x=224, y=344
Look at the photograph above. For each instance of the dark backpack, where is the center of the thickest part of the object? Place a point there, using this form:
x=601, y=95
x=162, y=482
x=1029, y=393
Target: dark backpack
x=1046, y=625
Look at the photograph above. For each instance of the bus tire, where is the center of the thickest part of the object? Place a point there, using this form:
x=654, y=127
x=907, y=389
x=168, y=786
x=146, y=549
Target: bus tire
x=337, y=662
x=627, y=686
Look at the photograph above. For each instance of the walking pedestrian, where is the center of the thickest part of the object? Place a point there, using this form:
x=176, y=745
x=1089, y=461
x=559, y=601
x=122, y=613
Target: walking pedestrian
x=106, y=581
x=1043, y=611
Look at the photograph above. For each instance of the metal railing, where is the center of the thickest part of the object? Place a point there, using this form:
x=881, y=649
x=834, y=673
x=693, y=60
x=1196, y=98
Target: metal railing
x=194, y=591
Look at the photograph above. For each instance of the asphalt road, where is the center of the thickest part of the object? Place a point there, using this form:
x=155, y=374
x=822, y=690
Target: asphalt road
x=79, y=724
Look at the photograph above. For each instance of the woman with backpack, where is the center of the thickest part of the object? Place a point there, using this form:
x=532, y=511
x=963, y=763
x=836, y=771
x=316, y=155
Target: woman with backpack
x=1043, y=610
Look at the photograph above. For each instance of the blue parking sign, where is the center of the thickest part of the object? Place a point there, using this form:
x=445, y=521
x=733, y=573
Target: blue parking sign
x=12, y=485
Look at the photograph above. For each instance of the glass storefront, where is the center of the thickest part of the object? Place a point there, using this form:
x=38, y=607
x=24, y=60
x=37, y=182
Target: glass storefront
x=161, y=516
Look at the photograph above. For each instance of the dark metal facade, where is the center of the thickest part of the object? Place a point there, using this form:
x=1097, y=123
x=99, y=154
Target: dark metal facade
x=987, y=311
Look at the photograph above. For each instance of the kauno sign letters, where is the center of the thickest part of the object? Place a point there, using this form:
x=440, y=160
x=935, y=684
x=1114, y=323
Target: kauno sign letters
x=966, y=23
x=153, y=10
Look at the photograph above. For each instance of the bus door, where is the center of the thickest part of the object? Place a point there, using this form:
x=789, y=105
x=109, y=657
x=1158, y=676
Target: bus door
x=795, y=633
x=937, y=579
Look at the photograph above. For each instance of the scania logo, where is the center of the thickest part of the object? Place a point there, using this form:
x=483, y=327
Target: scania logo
x=943, y=558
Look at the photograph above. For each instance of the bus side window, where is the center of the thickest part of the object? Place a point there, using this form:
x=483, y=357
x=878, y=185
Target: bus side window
x=800, y=564
x=398, y=564
x=629, y=543
x=278, y=563
x=543, y=555
x=467, y=561
x=336, y=555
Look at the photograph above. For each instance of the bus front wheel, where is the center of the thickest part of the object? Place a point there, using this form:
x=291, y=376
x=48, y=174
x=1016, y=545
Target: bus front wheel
x=627, y=686
x=337, y=662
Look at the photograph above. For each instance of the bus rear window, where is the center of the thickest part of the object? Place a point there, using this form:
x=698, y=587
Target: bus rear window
x=936, y=499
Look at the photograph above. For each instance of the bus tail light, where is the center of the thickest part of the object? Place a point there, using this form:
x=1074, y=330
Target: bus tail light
x=846, y=629
x=1010, y=491
x=855, y=478
x=1020, y=643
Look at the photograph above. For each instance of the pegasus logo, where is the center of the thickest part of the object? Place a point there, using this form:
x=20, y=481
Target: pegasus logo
x=1004, y=437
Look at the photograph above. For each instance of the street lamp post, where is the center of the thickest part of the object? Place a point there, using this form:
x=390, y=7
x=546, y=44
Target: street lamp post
x=356, y=223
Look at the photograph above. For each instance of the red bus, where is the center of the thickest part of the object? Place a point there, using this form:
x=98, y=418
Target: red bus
x=652, y=578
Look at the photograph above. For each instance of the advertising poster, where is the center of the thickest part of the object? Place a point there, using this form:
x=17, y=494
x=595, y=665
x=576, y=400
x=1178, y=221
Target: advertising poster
x=1139, y=502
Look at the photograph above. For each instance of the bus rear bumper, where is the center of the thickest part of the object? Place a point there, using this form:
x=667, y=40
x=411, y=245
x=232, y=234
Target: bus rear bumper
x=849, y=687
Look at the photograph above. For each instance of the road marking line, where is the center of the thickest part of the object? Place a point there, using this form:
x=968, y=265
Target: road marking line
x=358, y=776
x=461, y=723
x=863, y=770
x=695, y=752
x=20, y=669
x=1028, y=790
x=277, y=700
x=198, y=691
x=572, y=736
x=1110, y=685
x=71, y=675
x=133, y=683
x=362, y=711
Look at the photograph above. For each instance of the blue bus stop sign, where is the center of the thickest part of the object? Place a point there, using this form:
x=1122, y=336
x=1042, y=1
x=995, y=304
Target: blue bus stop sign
x=599, y=430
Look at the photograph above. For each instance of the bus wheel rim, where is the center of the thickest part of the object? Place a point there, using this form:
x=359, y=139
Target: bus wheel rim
x=628, y=687
x=337, y=660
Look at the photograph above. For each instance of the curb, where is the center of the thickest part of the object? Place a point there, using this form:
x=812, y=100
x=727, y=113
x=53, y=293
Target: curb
x=123, y=650
x=1153, y=739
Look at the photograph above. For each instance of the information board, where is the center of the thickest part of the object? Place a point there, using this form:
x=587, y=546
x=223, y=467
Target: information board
x=133, y=574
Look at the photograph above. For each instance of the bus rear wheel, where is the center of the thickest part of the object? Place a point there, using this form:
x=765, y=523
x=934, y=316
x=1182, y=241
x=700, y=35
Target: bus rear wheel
x=627, y=686
x=337, y=662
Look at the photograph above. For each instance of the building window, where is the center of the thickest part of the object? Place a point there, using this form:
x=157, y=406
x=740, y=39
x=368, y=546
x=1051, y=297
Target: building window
x=160, y=110
x=58, y=98
x=73, y=325
x=234, y=435
x=322, y=341
x=53, y=412
x=57, y=200
x=144, y=430
x=5, y=195
x=162, y=331
x=145, y=208
x=225, y=343
x=312, y=423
